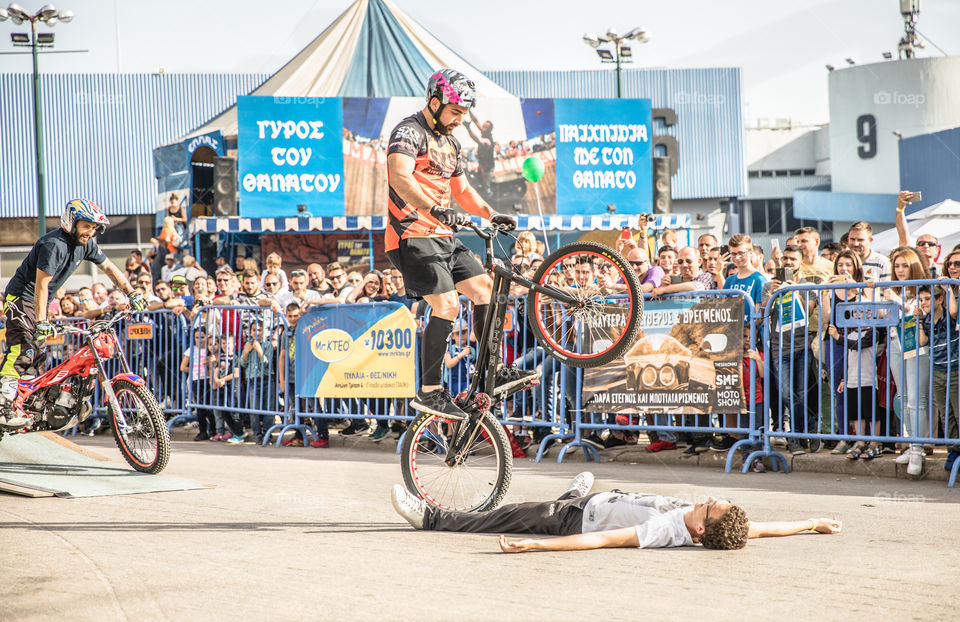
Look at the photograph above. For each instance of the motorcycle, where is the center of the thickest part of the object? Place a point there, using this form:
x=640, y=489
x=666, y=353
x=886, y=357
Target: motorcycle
x=57, y=399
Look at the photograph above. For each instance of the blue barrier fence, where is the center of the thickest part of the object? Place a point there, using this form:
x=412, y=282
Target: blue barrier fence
x=869, y=363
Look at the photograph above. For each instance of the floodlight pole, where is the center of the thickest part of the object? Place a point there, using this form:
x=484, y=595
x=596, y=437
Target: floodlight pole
x=38, y=137
x=616, y=45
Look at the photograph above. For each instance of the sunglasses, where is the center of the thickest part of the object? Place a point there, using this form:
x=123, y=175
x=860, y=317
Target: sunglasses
x=336, y=276
x=271, y=284
x=638, y=263
x=689, y=261
x=298, y=273
x=927, y=243
x=949, y=264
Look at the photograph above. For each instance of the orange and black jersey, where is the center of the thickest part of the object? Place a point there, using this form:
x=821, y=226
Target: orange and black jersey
x=437, y=159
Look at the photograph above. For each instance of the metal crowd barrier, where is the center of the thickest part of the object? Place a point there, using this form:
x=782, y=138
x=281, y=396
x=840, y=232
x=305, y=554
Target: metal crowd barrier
x=232, y=367
x=877, y=351
x=669, y=423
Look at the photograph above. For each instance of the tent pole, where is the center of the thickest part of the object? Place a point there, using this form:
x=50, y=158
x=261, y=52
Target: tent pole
x=370, y=240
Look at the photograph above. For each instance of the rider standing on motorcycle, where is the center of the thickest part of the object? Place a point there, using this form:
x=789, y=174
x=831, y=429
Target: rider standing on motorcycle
x=52, y=260
x=424, y=173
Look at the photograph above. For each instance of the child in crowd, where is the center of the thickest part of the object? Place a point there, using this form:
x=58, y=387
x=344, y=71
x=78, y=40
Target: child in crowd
x=196, y=363
x=224, y=389
x=257, y=361
x=938, y=327
x=274, y=267
x=458, y=358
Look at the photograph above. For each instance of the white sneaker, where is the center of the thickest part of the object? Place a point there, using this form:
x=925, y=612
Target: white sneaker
x=904, y=458
x=408, y=506
x=581, y=484
x=915, y=464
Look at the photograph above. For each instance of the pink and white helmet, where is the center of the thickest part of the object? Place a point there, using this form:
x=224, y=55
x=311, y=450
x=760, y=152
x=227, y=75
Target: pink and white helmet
x=452, y=87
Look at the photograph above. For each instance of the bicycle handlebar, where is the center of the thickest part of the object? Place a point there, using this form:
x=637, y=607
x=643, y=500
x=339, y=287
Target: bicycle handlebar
x=464, y=220
x=99, y=325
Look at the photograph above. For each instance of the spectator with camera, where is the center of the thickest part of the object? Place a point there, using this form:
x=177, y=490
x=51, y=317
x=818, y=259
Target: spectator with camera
x=927, y=246
x=790, y=353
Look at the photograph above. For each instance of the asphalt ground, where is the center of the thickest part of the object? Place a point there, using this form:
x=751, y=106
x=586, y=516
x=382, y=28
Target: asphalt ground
x=310, y=534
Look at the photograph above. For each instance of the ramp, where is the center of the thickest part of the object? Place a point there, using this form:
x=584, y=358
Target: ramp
x=45, y=464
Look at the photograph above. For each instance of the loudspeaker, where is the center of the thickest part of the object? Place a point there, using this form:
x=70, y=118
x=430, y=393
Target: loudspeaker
x=225, y=187
x=661, y=185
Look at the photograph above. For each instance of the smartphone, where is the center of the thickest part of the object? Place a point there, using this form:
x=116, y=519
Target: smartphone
x=783, y=274
x=724, y=250
x=775, y=245
x=914, y=197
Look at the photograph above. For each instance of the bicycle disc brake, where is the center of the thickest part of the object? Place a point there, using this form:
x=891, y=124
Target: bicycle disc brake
x=478, y=402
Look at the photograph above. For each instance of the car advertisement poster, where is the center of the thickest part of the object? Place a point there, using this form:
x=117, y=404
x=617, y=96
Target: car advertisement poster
x=687, y=360
x=356, y=350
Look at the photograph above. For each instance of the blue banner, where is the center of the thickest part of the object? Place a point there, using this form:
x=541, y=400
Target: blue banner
x=290, y=153
x=357, y=350
x=604, y=155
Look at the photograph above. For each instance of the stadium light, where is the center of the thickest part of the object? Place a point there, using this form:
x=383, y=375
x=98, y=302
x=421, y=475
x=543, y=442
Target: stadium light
x=621, y=53
x=49, y=15
x=830, y=67
x=850, y=61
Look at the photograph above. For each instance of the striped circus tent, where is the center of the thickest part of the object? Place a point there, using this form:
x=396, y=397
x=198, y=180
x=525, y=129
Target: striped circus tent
x=372, y=50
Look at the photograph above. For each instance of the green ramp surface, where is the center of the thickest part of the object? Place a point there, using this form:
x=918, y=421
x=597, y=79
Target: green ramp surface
x=48, y=464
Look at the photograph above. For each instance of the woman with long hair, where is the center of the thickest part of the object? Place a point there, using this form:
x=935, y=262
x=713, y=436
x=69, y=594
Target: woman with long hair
x=909, y=363
x=851, y=356
x=370, y=289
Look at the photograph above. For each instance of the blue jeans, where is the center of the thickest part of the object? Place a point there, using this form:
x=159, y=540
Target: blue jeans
x=568, y=381
x=261, y=395
x=788, y=370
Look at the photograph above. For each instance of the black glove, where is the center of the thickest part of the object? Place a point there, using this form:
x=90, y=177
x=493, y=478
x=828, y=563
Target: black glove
x=137, y=301
x=504, y=222
x=44, y=330
x=445, y=215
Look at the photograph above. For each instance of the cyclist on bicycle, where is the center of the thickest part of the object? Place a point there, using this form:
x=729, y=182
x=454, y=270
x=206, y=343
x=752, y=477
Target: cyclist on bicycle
x=52, y=260
x=424, y=172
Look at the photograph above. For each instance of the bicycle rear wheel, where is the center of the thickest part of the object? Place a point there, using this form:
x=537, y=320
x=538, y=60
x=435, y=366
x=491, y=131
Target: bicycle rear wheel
x=605, y=319
x=144, y=440
x=479, y=477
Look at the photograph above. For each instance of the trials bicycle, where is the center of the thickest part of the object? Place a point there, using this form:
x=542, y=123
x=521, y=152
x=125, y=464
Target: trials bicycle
x=56, y=399
x=584, y=307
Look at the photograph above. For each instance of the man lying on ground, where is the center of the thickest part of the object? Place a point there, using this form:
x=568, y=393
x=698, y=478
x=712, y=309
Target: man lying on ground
x=606, y=520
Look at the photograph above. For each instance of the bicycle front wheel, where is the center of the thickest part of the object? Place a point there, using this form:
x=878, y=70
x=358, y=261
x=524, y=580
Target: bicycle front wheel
x=478, y=477
x=143, y=439
x=603, y=320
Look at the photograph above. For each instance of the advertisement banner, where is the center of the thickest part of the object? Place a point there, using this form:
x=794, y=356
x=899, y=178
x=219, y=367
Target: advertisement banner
x=358, y=350
x=604, y=155
x=687, y=360
x=290, y=153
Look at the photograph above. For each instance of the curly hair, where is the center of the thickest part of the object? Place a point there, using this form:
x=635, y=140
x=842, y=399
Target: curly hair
x=727, y=533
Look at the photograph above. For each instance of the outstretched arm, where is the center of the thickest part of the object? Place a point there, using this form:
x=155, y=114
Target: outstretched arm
x=614, y=538
x=902, y=231
x=117, y=276
x=789, y=528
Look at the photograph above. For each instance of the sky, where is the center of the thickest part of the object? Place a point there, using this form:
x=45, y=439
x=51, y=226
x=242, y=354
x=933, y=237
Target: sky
x=781, y=46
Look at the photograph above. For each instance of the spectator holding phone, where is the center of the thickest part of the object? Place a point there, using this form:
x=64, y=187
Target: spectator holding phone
x=909, y=363
x=790, y=352
x=928, y=247
x=938, y=328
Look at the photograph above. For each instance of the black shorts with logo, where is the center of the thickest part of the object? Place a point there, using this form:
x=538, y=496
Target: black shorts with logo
x=433, y=265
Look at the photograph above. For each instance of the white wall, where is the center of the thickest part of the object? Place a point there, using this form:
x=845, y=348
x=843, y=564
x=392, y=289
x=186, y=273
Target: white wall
x=915, y=96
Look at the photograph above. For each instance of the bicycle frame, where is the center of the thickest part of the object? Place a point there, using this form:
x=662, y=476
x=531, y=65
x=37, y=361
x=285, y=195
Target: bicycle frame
x=488, y=353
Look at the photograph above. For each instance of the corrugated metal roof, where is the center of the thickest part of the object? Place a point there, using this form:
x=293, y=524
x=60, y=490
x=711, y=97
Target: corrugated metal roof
x=707, y=102
x=99, y=133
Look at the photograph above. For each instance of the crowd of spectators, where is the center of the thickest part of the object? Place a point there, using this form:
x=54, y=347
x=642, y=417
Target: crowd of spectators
x=821, y=376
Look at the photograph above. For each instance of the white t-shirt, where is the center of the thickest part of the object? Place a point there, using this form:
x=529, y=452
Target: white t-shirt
x=876, y=267
x=658, y=520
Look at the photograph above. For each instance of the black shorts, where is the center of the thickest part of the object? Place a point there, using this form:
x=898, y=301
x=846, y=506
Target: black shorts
x=433, y=265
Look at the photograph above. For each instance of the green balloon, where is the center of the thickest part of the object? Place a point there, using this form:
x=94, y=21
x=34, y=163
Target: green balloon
x=532, y=169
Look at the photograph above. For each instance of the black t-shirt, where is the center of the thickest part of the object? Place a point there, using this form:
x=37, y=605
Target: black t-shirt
x=57, y=254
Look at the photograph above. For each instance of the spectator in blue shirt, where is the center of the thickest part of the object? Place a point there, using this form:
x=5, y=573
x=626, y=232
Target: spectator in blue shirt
x=747, y=278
